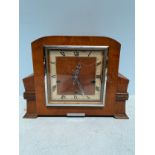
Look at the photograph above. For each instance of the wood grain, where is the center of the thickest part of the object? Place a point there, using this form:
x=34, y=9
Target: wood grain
x=116, y=83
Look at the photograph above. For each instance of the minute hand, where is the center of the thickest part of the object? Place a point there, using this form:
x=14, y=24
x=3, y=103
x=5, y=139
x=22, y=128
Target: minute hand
x=80, y=86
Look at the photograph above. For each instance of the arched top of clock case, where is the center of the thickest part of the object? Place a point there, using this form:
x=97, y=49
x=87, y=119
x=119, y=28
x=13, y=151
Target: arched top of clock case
x=76, y=40
x=113, y=50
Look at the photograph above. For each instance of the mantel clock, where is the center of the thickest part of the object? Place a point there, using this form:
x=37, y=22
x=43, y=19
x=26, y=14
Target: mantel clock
x=75, y=76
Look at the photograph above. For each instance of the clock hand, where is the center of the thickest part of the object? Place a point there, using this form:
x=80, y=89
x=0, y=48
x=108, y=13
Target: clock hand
x=80, y=87
x=75, y=79
x=76, y=73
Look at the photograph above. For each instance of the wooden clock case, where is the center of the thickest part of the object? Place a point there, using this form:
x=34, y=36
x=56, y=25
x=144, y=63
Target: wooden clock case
x=116, y=84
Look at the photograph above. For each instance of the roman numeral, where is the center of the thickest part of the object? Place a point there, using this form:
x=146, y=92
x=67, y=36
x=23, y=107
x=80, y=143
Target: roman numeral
x=99, y=63
x=62, y=53
x=88, y=97
x=53, y=76
x=52, y=63
x=75, y=97
x=63, y=97
x=76, y=53
x=98, y=76
x=89, y=54
x=97, y=88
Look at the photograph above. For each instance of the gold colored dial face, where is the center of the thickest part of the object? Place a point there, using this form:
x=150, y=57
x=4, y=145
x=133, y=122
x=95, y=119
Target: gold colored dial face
x=75, y=76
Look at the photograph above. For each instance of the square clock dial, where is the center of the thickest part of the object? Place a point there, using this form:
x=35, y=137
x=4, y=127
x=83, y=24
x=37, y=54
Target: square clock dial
x=75, y=75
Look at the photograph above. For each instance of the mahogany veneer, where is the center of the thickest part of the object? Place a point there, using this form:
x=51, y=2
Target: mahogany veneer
x=117, y=84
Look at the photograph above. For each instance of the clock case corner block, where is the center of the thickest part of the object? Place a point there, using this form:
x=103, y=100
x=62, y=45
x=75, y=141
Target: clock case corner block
x=117, y=84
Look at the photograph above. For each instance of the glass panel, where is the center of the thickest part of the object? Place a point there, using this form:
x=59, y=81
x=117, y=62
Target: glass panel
x=75, y=75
